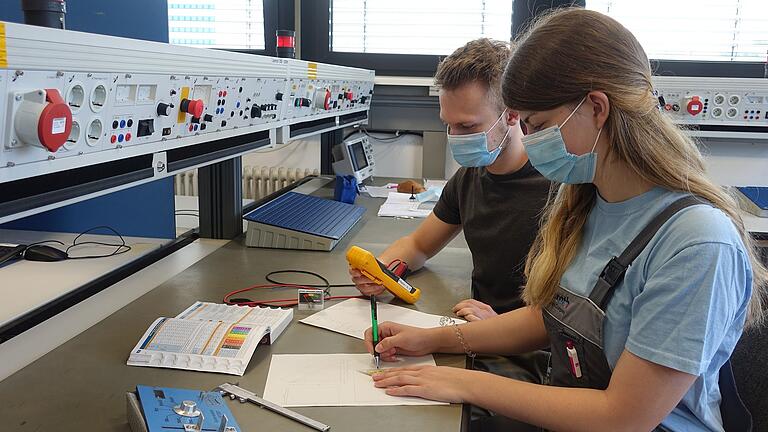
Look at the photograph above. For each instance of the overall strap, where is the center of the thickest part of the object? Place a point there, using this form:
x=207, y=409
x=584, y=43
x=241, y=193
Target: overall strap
x=735, y=415
x=613, y=273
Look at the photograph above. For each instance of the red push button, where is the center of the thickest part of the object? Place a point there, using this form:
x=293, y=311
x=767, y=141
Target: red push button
x=195, y=107
x=695, y=106
x=113, y=139
x=128, y=136
x=349, y=95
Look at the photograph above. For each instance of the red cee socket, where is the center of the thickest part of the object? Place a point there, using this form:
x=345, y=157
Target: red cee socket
x=695, y=106
x=327, y=102
x=195, y=107
x=55, y=121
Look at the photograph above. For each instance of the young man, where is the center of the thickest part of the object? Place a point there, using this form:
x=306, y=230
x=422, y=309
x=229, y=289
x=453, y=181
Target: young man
x=496, y=197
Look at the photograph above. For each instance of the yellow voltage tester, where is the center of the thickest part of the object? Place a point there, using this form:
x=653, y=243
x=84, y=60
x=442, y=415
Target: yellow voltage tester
x=376, y=271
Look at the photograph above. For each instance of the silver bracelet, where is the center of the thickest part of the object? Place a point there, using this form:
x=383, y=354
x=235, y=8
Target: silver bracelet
x=445, y=322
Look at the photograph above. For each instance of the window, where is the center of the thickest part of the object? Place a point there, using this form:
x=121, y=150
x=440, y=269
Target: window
x=229, y=24
x=433, y=27
x=699, y=30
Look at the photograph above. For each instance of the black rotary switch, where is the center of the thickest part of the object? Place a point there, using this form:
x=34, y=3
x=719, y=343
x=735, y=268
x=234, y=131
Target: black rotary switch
x=208, y=118
x=164, y=109
x=255, y=111
x=279, y=96
x=195, y=120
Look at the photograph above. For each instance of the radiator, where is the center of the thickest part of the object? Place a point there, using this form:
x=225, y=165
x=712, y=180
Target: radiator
x=258, y=181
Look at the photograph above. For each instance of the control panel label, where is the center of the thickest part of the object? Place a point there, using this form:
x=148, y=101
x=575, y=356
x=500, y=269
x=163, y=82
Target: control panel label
x=182, y=117
x=159, y=164
x=3, y=49
x=59, y=126
x=406, y=285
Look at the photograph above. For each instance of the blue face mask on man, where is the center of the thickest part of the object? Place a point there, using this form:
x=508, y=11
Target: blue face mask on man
x=471, y=150
x=548, y=154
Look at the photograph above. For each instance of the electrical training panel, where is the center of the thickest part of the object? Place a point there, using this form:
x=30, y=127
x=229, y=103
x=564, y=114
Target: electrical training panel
x=716, y=107
x=71, y=99
x=728, y=117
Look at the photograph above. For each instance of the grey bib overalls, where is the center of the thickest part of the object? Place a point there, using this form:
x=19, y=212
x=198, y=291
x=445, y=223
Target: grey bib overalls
x=574, y=324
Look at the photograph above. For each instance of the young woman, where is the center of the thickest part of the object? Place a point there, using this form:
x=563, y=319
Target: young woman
x=638, y=335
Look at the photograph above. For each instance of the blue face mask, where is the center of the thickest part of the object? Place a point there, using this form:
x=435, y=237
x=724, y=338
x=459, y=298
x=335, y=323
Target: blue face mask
x=472, y=150
x=431, y=194
x=548, y=154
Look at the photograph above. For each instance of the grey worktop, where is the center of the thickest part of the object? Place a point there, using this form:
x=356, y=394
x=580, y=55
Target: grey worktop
x=81, y=385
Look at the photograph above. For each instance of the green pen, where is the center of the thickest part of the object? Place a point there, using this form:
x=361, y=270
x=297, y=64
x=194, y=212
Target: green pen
x=375, y=332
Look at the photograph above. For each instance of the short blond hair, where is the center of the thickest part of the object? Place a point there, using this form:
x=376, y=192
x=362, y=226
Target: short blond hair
x=481, y=60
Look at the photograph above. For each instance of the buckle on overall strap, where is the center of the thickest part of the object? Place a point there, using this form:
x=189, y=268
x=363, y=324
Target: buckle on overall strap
x=613, y=272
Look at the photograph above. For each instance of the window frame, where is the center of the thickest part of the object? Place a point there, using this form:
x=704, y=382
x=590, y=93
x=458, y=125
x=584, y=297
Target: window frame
x=270, y=27
x=315, y=46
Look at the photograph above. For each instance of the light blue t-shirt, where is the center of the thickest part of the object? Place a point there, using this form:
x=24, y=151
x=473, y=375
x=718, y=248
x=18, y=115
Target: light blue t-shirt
x=683, y=301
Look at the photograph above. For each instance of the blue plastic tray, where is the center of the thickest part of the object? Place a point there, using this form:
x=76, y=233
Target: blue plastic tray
x=308, y=214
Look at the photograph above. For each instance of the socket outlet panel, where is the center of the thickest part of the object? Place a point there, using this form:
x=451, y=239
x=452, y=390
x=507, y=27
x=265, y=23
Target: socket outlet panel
x=119, y=98
x=720, y=107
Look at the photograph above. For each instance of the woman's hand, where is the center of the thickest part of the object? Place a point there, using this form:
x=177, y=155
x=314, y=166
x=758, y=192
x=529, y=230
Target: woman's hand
x=438, y=383
x=398, y=339
x=473, y=310
x=365, y=285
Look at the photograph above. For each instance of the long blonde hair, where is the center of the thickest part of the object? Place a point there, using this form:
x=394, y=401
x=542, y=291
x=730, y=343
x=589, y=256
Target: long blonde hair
x=565, y=55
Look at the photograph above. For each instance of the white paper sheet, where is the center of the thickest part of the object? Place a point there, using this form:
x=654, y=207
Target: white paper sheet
x=298, y=380
x=352, y=317
x=380, y=191
x=434, y=183
x=401, y=205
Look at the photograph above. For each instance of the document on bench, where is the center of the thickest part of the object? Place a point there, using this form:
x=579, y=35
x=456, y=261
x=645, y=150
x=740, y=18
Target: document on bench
x=380, y=191
x=300, y=380
x=209, y=337
x=352, y=317
x=401, y=205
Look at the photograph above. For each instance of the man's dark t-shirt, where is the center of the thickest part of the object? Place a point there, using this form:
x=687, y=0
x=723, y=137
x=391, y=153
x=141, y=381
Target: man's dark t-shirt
x=500, y=218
